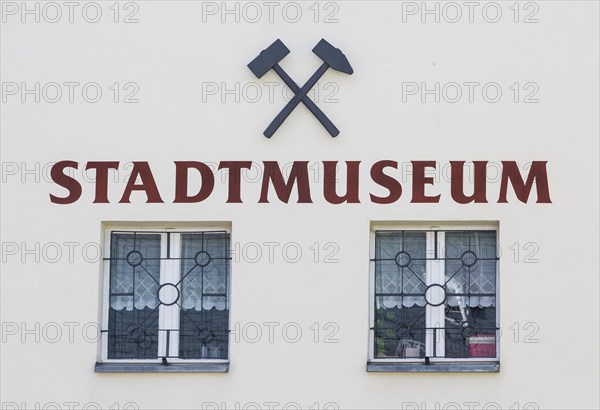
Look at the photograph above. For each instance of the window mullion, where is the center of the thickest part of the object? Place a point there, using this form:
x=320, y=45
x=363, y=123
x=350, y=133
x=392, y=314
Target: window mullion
x=162, y=336
x=441, y=279
x=169, y=315
x=435, y=315
x=430, y=335
x=174, y=310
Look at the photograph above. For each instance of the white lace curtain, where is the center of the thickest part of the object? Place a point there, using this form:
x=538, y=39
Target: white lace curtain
x=459, y=278
x=137, y=286
x=201, y=284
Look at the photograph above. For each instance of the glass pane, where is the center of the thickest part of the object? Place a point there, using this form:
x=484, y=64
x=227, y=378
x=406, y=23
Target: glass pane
x=134, y=282
x=470, y=286
x=400, y=261
x=399, y=331
x=204, y=315
x=400, y=264
x=474, y=337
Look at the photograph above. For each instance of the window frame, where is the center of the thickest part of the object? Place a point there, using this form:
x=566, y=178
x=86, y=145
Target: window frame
x=103, y=363
x=442, y=364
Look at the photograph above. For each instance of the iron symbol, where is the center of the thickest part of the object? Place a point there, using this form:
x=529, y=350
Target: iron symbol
x=269, y=59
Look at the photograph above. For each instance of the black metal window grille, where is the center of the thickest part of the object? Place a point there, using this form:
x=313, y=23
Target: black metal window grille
x=435, y=295
x=168, y=295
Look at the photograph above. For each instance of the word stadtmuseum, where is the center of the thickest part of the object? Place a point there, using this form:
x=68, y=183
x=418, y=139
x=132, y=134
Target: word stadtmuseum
x=342, y=182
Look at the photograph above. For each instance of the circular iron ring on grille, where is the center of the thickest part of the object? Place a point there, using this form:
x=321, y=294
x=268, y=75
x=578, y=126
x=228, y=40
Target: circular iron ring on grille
x=134, y=258
x=139, y=336
x=429, y=302
x=202, y=259
x=469, y=259
x=161, y=299
x=402, y=259
x=204, y=333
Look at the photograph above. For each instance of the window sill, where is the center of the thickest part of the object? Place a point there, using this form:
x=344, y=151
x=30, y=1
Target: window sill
x=160, y=368
x=490, y=367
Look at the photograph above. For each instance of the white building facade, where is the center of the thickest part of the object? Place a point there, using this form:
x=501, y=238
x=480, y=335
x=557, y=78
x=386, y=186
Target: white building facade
x=420, y=229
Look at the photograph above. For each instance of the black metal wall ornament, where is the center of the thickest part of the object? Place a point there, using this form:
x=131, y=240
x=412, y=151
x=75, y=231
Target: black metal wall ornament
x=269, y=59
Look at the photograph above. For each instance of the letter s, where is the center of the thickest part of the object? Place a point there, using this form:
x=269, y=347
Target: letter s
x=58, y=176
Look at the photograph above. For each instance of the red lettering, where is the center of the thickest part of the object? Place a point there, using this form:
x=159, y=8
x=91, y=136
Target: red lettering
x=181, y=182
x=235, y=179
x=330, y=182
x=537, y=174
x=386, y=181
x=419, y=181
x=283, y=189
x=102, y=179
x=457, y=188
x=58, y=176
x=148, y=185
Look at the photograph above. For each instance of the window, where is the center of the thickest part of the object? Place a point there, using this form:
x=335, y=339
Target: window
x=166, y=301
x=434, y=299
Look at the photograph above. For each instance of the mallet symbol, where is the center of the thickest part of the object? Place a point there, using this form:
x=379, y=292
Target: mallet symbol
x=270, y=58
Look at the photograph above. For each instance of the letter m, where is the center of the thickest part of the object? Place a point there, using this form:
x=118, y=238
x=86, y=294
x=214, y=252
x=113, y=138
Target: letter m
x=298, y=174
x=537, y=174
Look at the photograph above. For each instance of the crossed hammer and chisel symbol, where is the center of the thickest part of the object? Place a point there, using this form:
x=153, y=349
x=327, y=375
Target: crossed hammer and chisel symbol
x=269, y=59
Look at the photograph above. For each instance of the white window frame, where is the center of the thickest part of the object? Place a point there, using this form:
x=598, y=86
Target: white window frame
x=432, y=314
x=169, y=270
